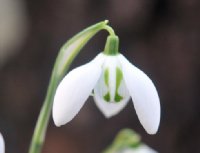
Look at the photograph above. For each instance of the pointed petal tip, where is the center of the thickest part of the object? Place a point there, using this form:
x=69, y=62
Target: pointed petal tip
x=152, y=131
x=58, y=124
x=150, y=124
x=60, y=120
x=56, y=121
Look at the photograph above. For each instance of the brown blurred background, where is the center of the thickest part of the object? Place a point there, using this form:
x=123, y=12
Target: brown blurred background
x=162, y=37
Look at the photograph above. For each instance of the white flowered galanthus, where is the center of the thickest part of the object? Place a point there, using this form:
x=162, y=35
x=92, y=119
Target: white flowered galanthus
x=2, y=145
x=112, y=80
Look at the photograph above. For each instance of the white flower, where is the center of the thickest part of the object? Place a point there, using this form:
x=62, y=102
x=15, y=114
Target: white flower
x=112, y=79
x=140, y=149
x=2, y=145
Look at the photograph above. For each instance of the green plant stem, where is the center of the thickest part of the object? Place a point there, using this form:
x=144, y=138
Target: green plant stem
x=43, y=120
x=110, y=30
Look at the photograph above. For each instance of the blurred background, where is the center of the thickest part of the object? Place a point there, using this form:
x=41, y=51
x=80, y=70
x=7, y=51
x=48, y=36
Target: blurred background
x=161, y=37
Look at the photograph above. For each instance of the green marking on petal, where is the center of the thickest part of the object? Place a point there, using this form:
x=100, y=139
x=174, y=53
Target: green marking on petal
x=119, y=77
x=106, y=77
x=107, y=97
x=118, y=98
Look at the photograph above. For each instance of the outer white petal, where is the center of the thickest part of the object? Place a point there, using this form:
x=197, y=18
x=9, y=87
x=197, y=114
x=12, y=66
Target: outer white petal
x=140, y=149
x=2, y=145
x=74, y=90
x=144, y=95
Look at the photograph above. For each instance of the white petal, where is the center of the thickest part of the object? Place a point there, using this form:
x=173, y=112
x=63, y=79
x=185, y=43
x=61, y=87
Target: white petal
x=2, y=145
x=144, y=95
x=74, y=90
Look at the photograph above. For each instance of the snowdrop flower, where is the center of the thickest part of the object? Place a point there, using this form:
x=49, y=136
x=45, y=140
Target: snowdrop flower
x=112, y=80
x=140, y=149
x=2, y=145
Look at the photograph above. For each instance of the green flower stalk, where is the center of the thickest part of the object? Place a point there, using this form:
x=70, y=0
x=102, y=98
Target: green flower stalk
x=65, y=57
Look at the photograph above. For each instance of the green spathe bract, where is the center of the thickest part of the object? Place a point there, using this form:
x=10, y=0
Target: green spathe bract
x=72, y=47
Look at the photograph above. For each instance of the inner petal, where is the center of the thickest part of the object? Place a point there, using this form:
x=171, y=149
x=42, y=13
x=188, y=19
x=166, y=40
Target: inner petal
x=111, y=87
x=110, y=92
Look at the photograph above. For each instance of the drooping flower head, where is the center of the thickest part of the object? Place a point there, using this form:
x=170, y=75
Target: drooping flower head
x=112, y=80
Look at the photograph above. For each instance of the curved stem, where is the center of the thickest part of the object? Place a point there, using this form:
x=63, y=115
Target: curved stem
x=110, y=30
